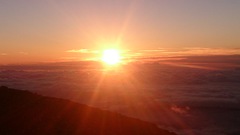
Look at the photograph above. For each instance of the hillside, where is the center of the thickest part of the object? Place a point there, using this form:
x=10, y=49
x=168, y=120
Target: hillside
x=25, y=113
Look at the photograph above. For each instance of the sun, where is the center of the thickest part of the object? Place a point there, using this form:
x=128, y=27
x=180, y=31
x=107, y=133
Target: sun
x=111, y=56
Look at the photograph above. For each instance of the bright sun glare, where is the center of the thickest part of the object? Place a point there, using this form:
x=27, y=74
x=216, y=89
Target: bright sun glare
x=111, y=56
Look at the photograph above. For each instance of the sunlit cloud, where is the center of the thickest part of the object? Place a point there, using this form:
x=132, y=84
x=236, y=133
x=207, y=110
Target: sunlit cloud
x=23, y=53
x=211, y=51
x=185, y=52
x=77, y=59
x=158, y=54
x=82, y=55
x=82, y=51
x=154, y=50
x=3, y=54
x=68, y=59
x=165, y=54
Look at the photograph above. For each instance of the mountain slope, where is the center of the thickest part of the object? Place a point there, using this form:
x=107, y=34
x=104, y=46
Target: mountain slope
x=25, y=113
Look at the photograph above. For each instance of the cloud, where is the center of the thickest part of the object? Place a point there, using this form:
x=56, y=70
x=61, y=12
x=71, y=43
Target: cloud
x=23, y=53
x=211, y=51
x=158, y=54
x=3, y=54
x=180, y=110
x=169, y=54
x=82, y=51
x=68, y=59
x=172, y=52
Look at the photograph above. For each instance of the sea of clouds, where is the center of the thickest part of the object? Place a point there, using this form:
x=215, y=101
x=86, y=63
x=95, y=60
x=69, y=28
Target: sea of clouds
x=184, y=99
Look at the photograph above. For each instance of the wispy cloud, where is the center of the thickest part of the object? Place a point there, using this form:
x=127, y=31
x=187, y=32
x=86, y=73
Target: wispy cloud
x=3, y=54
x=68, y=59
x=158, y=54
x=82, y=51
x=180, y=110
x=211, y=51
x=23, y=53
x=163, y=52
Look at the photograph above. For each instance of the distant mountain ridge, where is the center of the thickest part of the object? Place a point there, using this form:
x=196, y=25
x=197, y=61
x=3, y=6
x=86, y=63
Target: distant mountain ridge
x=26, y=113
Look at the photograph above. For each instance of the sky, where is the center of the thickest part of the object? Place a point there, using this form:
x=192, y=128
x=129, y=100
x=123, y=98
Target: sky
x=58, y=30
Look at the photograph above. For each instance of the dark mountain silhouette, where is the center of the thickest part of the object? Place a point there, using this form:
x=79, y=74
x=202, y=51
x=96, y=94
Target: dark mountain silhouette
x=26, y=113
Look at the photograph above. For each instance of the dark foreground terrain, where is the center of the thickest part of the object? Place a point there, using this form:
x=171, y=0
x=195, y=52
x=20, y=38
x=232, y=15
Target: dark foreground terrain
x=25, y=113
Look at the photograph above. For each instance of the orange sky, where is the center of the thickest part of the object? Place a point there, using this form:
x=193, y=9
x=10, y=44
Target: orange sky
x=43, y=31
